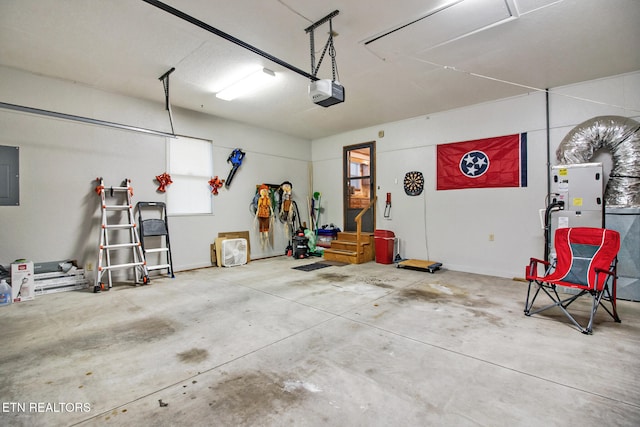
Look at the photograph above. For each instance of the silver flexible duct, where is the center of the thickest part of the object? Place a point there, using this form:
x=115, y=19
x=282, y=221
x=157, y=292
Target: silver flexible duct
x=620, y=136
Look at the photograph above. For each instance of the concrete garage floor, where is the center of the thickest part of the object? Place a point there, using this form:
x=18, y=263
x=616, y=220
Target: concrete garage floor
x=356, y=345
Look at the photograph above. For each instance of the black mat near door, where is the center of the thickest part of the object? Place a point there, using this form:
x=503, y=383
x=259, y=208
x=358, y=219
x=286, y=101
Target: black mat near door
x=334, y=263
x=311, y=267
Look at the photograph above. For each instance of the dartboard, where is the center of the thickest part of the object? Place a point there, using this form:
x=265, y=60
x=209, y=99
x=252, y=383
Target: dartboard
x=413, y=183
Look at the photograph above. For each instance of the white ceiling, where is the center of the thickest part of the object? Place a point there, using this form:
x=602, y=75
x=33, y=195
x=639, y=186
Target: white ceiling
x=471, y=52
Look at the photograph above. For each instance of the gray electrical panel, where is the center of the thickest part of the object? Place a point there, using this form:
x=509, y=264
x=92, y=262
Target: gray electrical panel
x=9, y=176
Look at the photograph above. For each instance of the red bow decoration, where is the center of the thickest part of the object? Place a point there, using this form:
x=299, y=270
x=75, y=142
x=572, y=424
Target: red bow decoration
x=215, y=183
x=164, y=180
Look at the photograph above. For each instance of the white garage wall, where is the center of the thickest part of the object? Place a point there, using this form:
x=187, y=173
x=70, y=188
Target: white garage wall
x=453, y=227
x=58, y=216
x=271, y=158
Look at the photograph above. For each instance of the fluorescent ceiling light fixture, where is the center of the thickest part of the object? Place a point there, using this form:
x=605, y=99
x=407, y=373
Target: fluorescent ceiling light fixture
x=254, y=81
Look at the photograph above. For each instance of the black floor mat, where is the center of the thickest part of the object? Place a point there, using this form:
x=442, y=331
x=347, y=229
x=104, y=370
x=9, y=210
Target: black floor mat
x=311, y=267
x=334, y=263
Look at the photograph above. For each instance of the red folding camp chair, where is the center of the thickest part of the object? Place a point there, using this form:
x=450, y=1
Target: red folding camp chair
x=586, y=261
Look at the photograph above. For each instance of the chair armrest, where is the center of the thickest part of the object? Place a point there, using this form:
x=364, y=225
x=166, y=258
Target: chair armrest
x=537, y=260
x=531, y=272
x=611, y=273
x=602, y=270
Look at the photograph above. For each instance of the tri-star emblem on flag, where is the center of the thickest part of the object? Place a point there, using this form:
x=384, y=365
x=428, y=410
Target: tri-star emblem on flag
x=481, y=163
x=474, y=164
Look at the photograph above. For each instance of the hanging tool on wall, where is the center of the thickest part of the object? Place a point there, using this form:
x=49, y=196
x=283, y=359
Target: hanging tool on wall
x=165, y=82
x=387, y=207
x=235, y=158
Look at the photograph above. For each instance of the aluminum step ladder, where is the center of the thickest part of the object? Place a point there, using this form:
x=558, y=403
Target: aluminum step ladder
x=151, y=232
x=116, y=227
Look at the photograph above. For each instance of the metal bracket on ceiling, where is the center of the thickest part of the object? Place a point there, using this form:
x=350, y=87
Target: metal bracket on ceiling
x=328, y=46
x=165, y=82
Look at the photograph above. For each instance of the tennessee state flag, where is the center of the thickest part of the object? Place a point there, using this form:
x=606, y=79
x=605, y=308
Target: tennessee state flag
x=482, y=163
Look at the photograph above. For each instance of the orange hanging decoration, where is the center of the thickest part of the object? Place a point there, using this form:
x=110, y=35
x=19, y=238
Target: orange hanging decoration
x=215, y=183
x=99, y=188
x=163, y=180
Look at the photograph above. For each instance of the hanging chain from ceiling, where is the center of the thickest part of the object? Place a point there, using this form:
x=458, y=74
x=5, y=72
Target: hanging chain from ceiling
x=329, y=46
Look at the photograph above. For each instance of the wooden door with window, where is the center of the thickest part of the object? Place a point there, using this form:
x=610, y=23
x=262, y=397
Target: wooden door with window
x=359, y=185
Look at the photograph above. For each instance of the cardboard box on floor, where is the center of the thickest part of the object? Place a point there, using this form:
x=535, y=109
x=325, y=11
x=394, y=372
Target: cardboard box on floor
x=215, y=254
